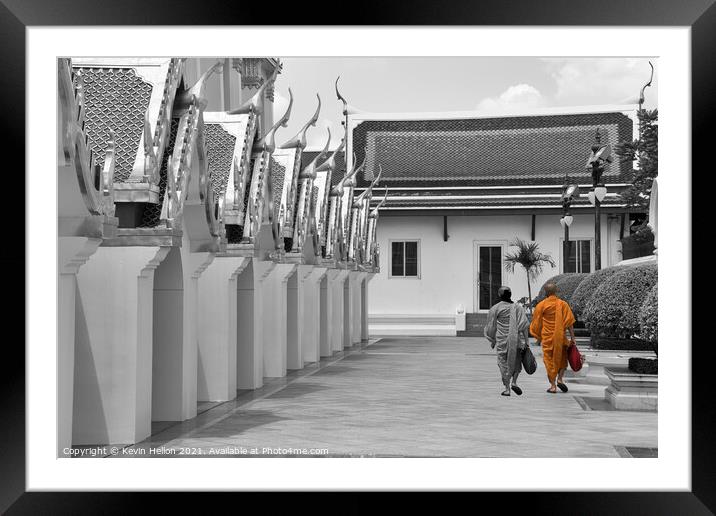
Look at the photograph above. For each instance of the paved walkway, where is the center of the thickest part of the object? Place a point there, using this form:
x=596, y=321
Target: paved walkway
x=412, y=397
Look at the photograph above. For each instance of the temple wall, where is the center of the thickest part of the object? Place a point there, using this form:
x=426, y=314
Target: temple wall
x=447, y=269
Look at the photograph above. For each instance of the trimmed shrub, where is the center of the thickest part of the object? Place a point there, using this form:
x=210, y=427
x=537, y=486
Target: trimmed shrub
x=541, y=295
x=649, y=317
x=568, y=283
x=613, y=310
x=587, y=287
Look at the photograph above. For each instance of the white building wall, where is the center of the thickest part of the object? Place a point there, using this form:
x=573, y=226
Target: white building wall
x=447, y=269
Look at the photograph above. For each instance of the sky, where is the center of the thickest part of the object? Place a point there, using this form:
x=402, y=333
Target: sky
x=486, y=85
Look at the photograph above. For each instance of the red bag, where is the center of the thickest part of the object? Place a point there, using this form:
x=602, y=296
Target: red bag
x=574, y=357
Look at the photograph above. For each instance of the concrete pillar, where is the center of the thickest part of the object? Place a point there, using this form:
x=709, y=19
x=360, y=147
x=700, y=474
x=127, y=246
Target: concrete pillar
x=356, y=308
x=274, y=318
x=335, y=301
x=323, y=329
x=294, y=313
x=310, y=311
x=73, y=252
x=175, y=337
x=218, y=328
x=347, y=338
x=365, y=334
x=113, y=345
x=250, y=324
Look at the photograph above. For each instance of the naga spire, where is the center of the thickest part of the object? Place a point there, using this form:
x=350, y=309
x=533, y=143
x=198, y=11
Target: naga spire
x=641, y=93
x=330, y=163
x=299, y=141
x=195, y=93
x=256, y=103
x=309, y=172
x=374, y=212
x=268, y=142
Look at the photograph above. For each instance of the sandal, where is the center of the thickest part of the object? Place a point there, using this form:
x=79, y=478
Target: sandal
x=506, y=393
x=562, y=387
x=551, y=391
x=517, y=390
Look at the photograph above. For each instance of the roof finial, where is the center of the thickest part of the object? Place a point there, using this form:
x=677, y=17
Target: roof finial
x=299, y=140
x=641, y=94
x=268, y=141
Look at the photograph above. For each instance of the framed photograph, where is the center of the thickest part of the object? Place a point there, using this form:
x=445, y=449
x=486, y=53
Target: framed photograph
x=235, y=208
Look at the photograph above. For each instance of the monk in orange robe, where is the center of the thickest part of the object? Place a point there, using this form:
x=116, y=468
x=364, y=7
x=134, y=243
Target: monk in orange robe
x=551, y=318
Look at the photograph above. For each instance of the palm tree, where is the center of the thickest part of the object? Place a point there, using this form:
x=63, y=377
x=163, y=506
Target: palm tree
x=530, y=258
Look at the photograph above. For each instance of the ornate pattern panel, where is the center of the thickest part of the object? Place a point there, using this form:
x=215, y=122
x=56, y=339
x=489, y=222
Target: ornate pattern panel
x=153, y=212
x=117, y=99
x=278, y=174
x=220, y=152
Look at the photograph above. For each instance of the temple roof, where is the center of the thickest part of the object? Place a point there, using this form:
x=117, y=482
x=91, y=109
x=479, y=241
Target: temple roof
x=496, y=151
x=508, y=162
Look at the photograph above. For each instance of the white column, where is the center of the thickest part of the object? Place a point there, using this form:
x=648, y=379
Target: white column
x=334, y=302
x=365, y=334
x=175, y=344
x=295, y=292
x=73, y=252
x=334, y=312
x=310, y=312
x=274, y=319
x=113, y=345
x=218, y=315
x=324, y=336
x=357, y=305
x=250, y=324
x=347, y=338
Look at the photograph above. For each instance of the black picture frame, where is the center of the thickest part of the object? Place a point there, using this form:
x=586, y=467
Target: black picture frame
x=17, y=15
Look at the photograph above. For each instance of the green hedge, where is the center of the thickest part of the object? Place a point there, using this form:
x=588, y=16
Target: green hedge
x=568, y=283
x=541, y=294
x=614, y=308
x=587, y=287
x=649, y=316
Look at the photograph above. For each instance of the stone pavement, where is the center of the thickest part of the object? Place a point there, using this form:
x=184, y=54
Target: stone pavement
x=413, y=397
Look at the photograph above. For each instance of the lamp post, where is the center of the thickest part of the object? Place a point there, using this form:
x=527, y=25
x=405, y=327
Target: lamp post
x=600, y=156
x=569, y=193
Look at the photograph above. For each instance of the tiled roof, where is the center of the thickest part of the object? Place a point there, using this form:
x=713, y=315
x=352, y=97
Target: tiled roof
x=488, y=151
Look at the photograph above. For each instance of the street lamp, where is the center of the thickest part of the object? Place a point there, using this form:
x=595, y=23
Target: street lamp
x=600, y=156
x=569, y=193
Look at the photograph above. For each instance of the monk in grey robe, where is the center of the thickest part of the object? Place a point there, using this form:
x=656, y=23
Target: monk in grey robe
x=507, y=329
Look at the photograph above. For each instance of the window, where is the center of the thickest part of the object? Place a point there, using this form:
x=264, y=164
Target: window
x=579, y=258
x=404, y=259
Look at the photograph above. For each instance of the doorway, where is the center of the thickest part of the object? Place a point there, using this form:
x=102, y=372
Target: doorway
x=488, y=264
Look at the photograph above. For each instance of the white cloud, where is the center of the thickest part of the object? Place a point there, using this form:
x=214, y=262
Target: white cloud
x=516, y=98
x=602, y=80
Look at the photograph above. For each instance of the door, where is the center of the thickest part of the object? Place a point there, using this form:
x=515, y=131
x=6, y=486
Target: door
x=488, y=262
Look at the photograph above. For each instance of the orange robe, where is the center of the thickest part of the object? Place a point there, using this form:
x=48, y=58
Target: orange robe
x=551, y=318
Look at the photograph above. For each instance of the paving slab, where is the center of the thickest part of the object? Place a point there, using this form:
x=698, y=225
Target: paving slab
x=414, y=397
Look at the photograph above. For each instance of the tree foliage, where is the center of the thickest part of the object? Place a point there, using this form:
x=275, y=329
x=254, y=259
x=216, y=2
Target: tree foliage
x=645, y=151
x=530, y=258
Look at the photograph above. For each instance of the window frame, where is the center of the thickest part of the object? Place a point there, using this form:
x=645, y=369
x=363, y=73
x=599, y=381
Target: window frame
x=419, y=260
x=563, y=261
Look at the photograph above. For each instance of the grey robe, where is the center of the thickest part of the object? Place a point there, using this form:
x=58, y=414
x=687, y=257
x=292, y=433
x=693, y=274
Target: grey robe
x=507, y=330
